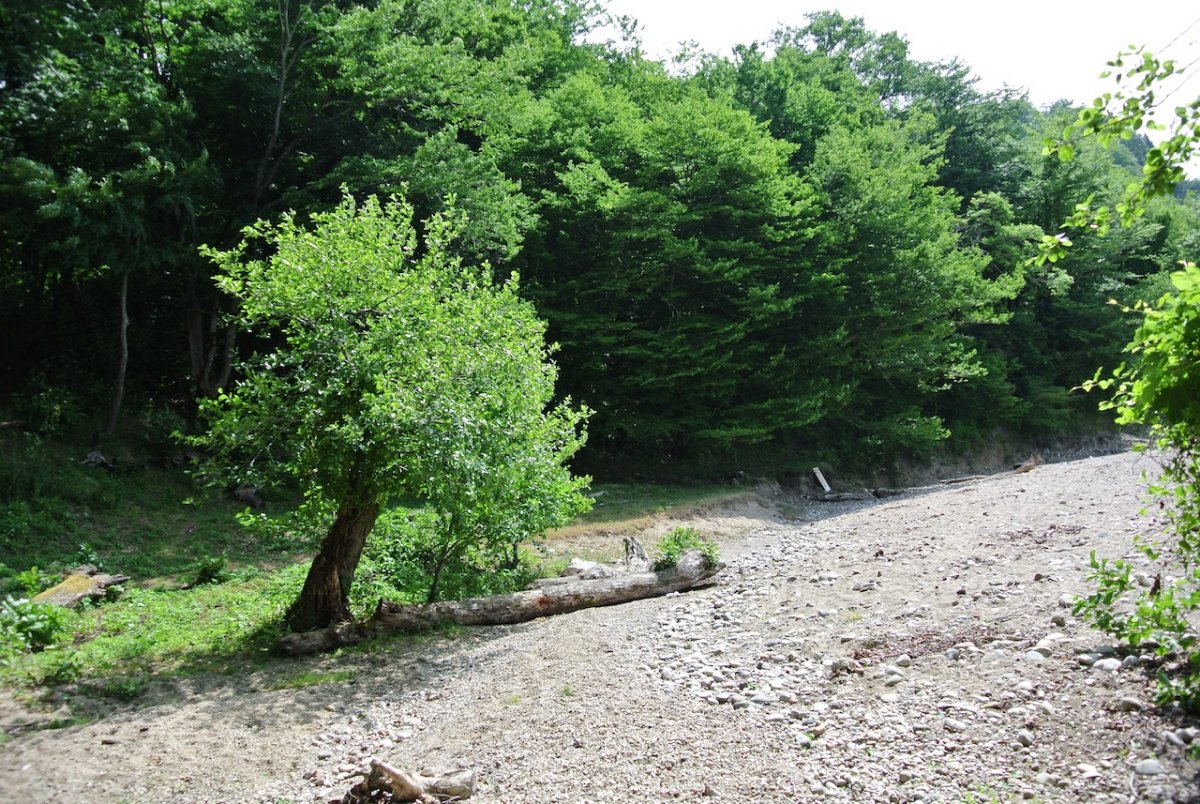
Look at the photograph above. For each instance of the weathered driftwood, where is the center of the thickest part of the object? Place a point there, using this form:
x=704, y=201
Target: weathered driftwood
x=1033, y=463
x=950, y=481
x=691, y=572
x=636, y=559
x=248, y=494
x=847, y=496
x=96, y=458
x=83, y=582
x=883, y=492
x=403, y=786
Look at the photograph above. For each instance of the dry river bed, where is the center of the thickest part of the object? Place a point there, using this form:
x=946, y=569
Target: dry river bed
x=918, y=649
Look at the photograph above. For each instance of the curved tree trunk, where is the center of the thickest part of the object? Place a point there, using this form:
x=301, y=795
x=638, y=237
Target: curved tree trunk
x=323, y=601
x=114, y=410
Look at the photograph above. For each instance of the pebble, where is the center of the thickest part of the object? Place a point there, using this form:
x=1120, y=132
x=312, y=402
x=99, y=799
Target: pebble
x=1025, y=737
x=1129, y=704
x=1107, y=665
x=950, y=724
x=1035, y=657
x=1149, y=767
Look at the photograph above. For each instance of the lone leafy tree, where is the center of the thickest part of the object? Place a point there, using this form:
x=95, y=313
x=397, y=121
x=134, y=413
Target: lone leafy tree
x=395, y=371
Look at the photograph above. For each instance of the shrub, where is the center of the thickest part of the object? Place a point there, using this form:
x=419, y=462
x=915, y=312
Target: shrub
x=1161, y=389
x=680, y=540
x=210, y=569
x=34, y=580
x=86, y=554
x=50, y=409
x=25, y=625
x=404, y=557
x=8, y=580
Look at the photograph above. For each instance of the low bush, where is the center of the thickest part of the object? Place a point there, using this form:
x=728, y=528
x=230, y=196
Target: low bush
x=210, y=569
x=679, y=541
x=404, y=553
x=29, y=626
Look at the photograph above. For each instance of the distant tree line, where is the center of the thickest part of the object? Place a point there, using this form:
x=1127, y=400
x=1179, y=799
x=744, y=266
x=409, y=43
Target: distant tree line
x=818, y=241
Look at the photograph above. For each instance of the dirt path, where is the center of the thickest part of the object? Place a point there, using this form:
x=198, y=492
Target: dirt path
x=909, y=650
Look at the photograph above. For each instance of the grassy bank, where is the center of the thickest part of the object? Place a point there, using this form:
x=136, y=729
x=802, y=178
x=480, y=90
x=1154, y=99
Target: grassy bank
x=210, y=581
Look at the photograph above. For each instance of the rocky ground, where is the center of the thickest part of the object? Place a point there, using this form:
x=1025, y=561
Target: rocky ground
x=917, y=649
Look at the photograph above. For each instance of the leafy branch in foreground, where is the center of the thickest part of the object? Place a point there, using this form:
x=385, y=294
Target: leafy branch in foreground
x=1158, y=387
x=1120, y=115
x=1161, y=389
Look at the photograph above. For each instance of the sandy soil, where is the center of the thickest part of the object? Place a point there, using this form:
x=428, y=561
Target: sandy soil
x=914, y=649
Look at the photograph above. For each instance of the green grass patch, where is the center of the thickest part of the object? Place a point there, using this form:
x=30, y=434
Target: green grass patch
x=118, y=646
x=210, y=581
x=312, y=679
x=619, y=501
x=139, y=520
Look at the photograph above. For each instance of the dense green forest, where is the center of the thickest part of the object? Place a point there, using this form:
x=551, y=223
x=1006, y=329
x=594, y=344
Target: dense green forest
x=817, y=245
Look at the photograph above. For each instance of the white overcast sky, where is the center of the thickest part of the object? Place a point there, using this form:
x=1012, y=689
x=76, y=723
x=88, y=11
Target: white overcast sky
x=1052, y=48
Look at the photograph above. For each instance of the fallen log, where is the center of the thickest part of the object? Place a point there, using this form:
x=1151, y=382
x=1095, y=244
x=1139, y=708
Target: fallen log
x=83, y=582
x=692, y=572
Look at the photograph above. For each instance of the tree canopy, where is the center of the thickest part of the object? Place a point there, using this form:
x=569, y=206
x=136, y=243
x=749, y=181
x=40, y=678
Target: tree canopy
x=817, y=244
x=395, y=372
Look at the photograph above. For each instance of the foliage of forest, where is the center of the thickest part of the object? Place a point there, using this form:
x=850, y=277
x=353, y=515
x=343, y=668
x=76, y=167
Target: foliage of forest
x=817, y=241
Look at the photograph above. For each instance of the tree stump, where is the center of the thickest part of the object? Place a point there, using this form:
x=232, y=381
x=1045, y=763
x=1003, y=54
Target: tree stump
x=83, y=582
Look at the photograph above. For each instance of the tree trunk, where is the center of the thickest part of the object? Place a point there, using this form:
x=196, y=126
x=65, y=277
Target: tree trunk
x=210, y=349
x=324, y=599
x=122, y=364
x=691, y=572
